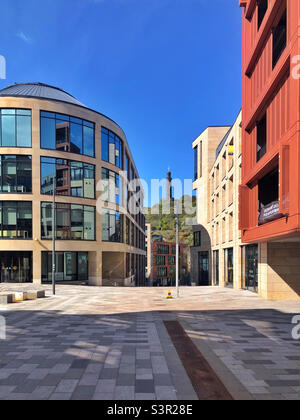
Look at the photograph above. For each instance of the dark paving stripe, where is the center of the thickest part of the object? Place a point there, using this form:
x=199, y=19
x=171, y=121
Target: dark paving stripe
x=206, y=383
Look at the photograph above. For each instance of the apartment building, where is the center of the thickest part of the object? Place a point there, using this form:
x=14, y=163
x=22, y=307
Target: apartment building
x=164, y=264
x=49, y=141
x=270, y=184
x=204, y=147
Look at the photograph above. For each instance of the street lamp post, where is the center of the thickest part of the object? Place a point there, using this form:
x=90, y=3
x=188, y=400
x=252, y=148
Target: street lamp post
x=53, y=236
x=177, y=255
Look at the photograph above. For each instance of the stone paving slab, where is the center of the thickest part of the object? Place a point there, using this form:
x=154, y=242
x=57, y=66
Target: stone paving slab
x=108, y=343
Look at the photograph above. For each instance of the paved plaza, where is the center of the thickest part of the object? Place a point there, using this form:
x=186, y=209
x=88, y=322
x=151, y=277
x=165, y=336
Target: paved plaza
x=111, y=343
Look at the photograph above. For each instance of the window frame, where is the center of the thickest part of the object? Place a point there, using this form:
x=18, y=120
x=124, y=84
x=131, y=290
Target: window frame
x=16, y=126
x=68, y=207
x=69, y=164
x=17, y=205
x=68, y=118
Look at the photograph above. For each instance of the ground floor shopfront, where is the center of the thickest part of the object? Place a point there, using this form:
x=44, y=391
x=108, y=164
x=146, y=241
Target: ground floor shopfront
x=93, y=268
x=272, y=270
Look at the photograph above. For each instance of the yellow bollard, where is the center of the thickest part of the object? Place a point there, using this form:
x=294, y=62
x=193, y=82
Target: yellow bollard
x=170, y=295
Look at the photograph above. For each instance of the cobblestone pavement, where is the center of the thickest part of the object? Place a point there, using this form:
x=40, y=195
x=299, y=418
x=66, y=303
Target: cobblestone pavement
x=109, y=343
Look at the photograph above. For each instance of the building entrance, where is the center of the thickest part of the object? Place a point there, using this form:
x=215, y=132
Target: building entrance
x=16, y=267
x=251, y=268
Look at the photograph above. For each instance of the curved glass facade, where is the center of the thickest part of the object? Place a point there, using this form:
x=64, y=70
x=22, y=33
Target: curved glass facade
x=83, y=237
x=67, y=134
x=111, y=148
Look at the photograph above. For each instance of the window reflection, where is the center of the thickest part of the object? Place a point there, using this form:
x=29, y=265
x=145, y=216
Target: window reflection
x=16, y=220
x=73, y=222
x=15, y=128
x=15, y=174
x=76, y=179
x=70, y=266
x=112, y=148
x=112, y=226
x=67, y=134
x=112, y=187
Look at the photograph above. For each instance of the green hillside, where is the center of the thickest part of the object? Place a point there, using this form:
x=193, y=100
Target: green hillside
x=164, y=224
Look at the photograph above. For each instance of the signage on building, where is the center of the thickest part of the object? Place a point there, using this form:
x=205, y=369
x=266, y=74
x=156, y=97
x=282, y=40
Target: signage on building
x=269, y=213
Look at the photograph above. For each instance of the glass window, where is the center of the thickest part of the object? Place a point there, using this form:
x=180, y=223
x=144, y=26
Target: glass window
x=163, y=249
x=70, y=266
x=75, y=222
x=15, y=174
x=88, y=144
x=8, y=131
x=76, y=139
x=197, y=238
x=72, y=178
x=262, y=10
x=261, y=137
x=111, y=187
x=23, y=131
x=89, y=223
x=67, y=134
x=279, y=39
x=112, y=148
x=112, y=226
x=15, y=128
x=48, y=133
x=160, y=260
x=16, y=220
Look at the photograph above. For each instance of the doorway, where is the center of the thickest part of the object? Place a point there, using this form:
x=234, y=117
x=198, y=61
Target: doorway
x=16, y=267
x=251, y=268
x=203, y=269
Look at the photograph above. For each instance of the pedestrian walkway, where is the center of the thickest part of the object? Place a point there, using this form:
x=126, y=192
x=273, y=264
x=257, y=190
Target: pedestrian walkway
x=111, y=343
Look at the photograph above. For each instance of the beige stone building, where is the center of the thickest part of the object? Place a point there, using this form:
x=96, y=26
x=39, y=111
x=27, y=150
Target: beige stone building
x=218, y=257
x=48, y=139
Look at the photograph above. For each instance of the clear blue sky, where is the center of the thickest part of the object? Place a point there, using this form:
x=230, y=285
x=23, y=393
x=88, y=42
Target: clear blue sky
x=162, y=69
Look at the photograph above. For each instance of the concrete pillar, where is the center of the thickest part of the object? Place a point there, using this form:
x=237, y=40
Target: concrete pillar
x=95, y=268
x=37, y=264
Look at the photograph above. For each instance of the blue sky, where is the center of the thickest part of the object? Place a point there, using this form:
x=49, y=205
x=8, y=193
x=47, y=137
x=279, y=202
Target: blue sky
x=162, y=69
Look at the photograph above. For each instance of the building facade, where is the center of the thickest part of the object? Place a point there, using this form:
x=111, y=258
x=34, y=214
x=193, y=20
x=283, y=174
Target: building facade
x=149, y=254
x=164, y=264
x=205, y=155
x=50, y=141
x=270, y=190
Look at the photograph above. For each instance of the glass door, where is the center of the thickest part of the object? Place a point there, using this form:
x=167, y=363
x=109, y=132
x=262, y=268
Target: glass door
x=251, y=268
x=229, y=267
x=203, y=269
x=16, y=267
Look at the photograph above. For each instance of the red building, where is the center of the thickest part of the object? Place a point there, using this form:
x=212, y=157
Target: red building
x=270, y=186
x=164, y=263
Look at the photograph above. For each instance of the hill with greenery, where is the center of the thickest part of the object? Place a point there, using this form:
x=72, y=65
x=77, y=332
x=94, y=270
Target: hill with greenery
x=164, y=224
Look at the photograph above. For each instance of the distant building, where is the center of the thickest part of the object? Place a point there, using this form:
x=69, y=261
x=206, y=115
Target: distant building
x=164, y=264
x=149, y=255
